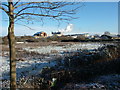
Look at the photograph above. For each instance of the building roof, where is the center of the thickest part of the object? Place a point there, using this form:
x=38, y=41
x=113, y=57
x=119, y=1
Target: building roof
x=75, y=34
x=56, y=32
x=111, y=35
x=38, y=33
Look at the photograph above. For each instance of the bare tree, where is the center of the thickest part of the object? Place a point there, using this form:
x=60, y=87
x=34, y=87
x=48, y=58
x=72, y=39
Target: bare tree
x=29, y=12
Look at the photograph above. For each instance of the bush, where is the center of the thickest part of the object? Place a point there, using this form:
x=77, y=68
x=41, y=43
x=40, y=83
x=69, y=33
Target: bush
x=5, y=40
x=66, y=38
x=81, y=37
x=30, y=39
x=1, y=41
x=53, y=38
x=24, y=38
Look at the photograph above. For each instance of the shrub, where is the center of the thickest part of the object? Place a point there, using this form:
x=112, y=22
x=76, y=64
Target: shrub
x=53, y=38
x=5, y=40
x=81, y=37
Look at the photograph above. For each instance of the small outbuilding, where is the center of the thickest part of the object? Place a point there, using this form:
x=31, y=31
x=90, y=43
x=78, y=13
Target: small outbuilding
x=110, y=37
x=106, y=37
x=40, y=34
x=57, y=33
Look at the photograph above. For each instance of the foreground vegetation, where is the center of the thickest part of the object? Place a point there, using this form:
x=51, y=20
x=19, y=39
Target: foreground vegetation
x=82, y=67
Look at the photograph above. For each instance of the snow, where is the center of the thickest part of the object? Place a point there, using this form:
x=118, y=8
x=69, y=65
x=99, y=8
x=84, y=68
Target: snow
x=74, y=47
x=23, y=68
x=1, y=70
x=4, y=66
x=31, y=67
x=34, y=67
x=90, y=85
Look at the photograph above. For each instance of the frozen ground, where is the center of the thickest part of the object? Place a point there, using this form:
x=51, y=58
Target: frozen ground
x=30, y=67
x=59, y=49
x=24, y=68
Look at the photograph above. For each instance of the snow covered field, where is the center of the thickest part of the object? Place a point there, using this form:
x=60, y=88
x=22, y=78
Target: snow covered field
x=69, y=48
x=24, y=68
x=28, y=67
x=33, y=67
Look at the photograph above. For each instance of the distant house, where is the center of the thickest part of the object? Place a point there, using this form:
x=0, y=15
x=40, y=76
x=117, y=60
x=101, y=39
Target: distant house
x=79, y=35
x=40, y=34
x=115, y=37
x=106, y=37
x=110, y=37
x=86, y=35
x=57, y=33
x=97, y=37
x=91, y=37
x=118, y=36
x=73, y=35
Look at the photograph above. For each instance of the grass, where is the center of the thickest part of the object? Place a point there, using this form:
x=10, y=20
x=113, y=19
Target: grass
x=76, y=69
